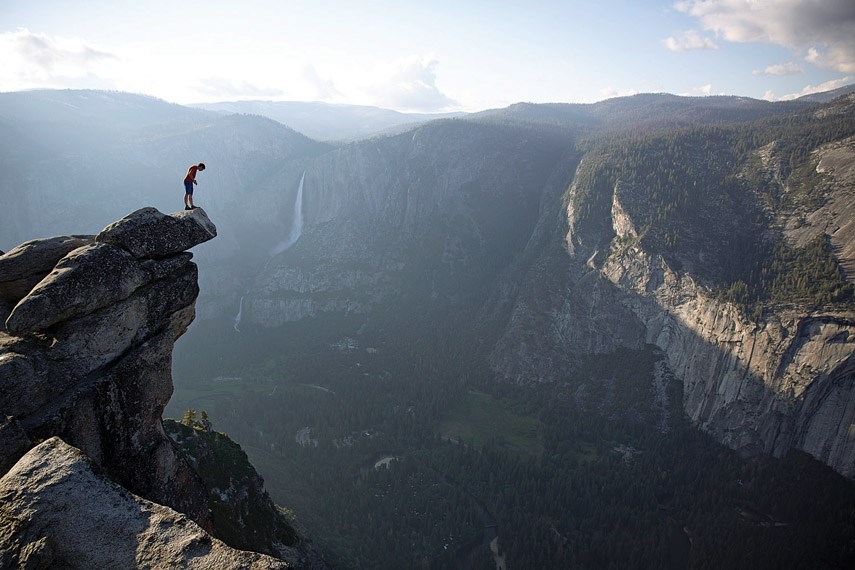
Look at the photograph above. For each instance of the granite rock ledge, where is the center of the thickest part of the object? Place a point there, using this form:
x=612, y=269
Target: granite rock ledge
x=85, y=369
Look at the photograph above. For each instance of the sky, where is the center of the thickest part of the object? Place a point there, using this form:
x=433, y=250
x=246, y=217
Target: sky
x=428, y=56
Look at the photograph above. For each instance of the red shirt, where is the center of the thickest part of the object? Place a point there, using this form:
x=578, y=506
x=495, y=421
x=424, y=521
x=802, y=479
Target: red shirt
x=191, y=174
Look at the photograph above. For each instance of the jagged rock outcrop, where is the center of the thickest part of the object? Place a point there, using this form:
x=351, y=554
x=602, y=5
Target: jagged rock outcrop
x=24, y=266
x=86, y=356
x=59, y=510
x=86, y=279
x=151, y=234
x=85, y=368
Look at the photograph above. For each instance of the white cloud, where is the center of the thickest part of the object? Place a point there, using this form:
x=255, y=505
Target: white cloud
x=611, y=92
x=688, y=41
x=700, y=91
x=39, y=60
x=789, y=68
x=410, y=84
x=810, y=89
x=325, y=89
x=703, y=89
x=837, y=57
x=823, y=29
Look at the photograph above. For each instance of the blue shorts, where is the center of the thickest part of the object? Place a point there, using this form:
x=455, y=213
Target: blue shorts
x=188, y=187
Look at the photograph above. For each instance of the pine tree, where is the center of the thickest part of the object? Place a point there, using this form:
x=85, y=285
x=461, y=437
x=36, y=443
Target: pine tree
x=189, y=417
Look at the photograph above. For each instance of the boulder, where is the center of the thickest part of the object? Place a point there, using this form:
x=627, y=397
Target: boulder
x=38, y=256
x=148, y=233
x=88, y=278
x=82, y=345
x=23, y=267
x=58, y=511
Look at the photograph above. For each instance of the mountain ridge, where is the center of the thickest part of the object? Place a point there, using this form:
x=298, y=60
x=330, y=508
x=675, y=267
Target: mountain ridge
x=328, y=121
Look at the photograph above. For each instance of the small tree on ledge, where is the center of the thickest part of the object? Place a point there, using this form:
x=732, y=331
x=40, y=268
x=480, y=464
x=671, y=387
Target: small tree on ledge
x=189, y=417
x=203, y=423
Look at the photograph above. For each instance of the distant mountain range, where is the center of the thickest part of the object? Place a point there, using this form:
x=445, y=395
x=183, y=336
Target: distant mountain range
x=325, y=121
x=345, y=123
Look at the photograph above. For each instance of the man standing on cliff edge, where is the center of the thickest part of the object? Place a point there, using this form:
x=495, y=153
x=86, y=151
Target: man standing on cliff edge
x=189, y=181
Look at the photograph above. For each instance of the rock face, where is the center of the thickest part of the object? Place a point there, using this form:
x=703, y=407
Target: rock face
x=149, y=233
x=29, y=263
x=759, y=388
x=85, y=361
x=242, y=512
x=87, y=357
x=388, y=212
x=835, y=217
x=59, y=510
x=786, y=381
x=85, y=368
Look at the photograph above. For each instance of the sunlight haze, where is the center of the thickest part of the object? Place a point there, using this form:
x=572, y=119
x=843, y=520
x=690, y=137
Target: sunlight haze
x=429, y=57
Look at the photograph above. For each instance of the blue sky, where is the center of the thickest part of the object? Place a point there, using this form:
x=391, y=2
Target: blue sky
x=428, y=55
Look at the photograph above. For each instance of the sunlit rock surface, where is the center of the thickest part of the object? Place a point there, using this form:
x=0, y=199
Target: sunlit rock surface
x=59, y=510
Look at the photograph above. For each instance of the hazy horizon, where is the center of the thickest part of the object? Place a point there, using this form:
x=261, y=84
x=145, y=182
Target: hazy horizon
x=438, y=113
x=439, y=58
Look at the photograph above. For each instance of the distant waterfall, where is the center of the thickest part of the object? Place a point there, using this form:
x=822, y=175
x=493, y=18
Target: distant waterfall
x=293, y=235
x=239, y=314
x=296, y=222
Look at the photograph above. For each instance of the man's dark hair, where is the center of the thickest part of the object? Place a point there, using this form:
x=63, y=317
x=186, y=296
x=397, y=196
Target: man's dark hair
x=202, y=165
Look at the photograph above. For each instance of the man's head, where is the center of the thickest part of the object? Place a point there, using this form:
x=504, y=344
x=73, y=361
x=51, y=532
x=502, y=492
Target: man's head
x=201, y=166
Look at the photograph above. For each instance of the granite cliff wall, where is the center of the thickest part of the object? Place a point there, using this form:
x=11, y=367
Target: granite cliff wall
x=784, y=381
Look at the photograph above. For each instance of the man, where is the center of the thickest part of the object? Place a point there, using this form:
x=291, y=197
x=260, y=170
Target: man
x=189, y=181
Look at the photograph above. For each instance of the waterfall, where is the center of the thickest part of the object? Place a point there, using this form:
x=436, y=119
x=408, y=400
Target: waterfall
x=296, y=222
x=293, y=236
x=239, y=314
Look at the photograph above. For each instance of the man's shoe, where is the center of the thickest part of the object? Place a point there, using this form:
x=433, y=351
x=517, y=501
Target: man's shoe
x=187, y=208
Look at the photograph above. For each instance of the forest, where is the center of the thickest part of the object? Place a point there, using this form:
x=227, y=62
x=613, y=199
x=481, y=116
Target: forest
x=398, y=457
x=708, y=190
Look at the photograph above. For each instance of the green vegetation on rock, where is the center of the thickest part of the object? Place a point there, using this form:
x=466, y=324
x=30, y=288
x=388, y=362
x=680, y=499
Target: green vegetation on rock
x=242, y=513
